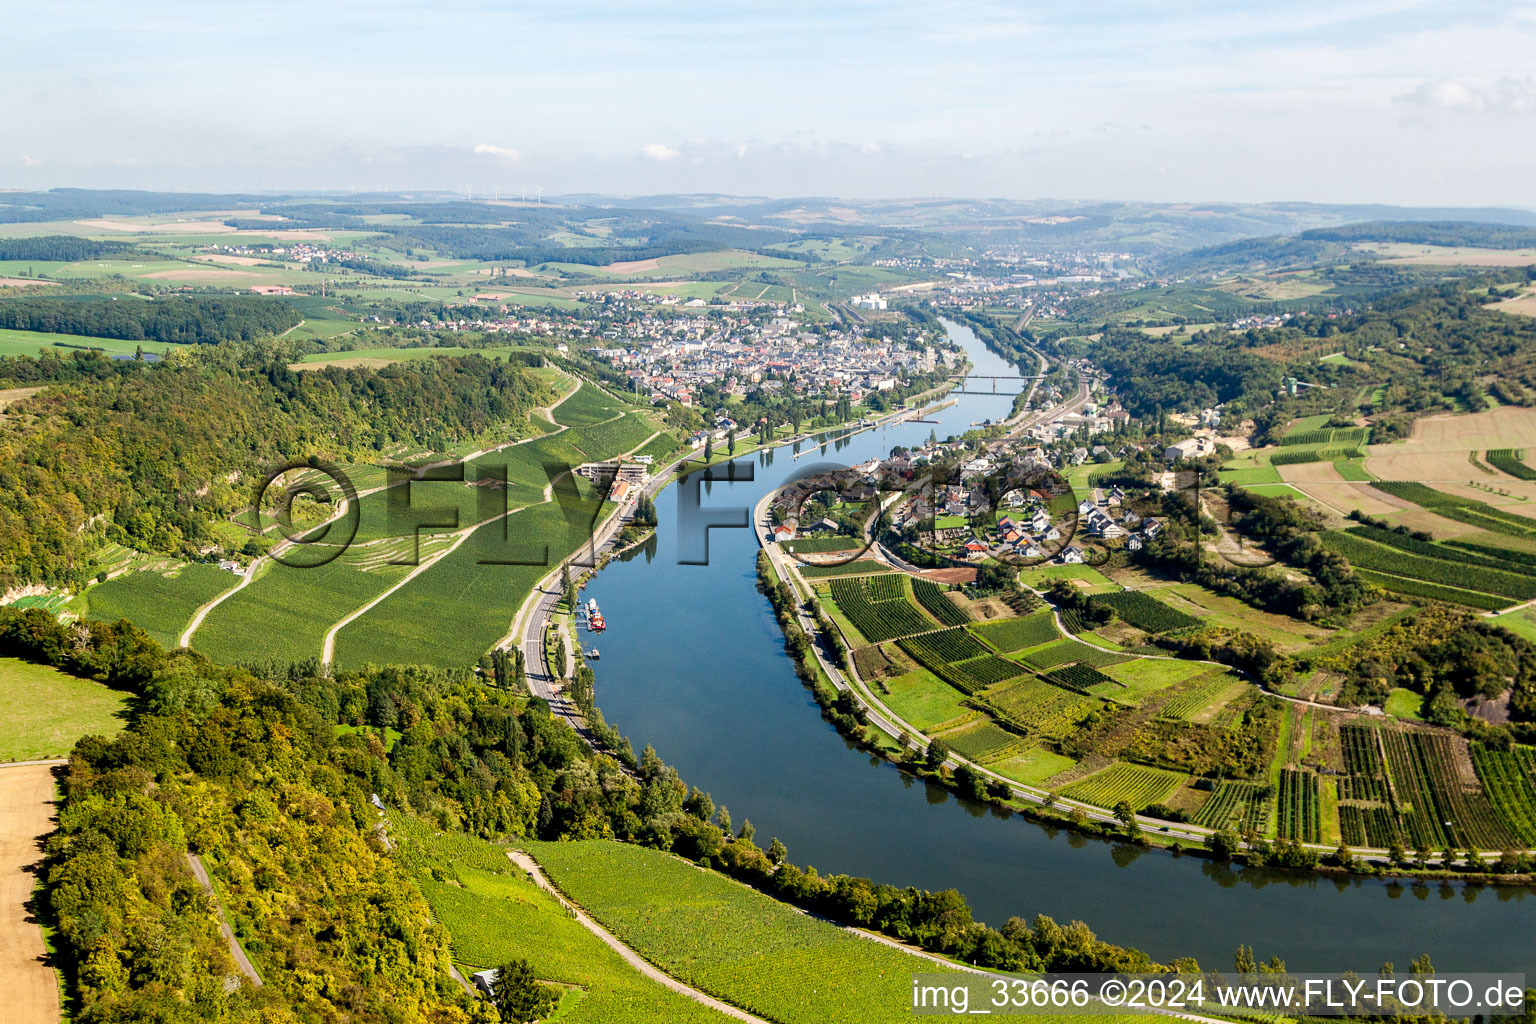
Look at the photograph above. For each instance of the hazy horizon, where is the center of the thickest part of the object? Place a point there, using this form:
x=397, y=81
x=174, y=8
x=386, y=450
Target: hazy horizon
x=1393, y=101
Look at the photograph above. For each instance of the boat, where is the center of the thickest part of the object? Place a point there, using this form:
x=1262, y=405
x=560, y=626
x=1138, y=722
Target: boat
x=595, y=622
x=591, y=605
x=593, y=654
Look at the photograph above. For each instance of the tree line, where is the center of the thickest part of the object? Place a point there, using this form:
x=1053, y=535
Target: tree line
x=180, y=319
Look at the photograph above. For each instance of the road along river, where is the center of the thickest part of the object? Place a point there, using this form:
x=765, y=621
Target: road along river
x=693, y=664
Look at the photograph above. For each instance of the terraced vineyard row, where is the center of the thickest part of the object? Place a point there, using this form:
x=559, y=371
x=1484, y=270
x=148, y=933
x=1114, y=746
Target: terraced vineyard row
x=883, y=618
x=1368, y=826
x=1511, y=461
x=1326, y=435
x=1299, y=814
x=1079, y=678
x=1505, y=562
x=1418, y=588
x=1424, y=775
x=1509, y=789
x=1433, y=569
x=1146, y=612
x=959, y=659
x=1237, y=805
x=1037, y=706
x=1136, y=785
x=1189, y=702
x=1463, y=510
x=1017, y=634
x=931, y=596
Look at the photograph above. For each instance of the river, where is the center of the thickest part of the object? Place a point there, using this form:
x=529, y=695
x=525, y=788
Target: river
x=693, y=664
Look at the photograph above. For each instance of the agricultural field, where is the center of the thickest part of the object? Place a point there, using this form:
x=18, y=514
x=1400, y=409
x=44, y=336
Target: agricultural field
x=1206, y=692
x=44, y=711
x=1065, y=650
x=1242, y=806
x=1039, y=708
x=1011, y=635
x=731, y=941
x=1136, y=784
x=923, y=699
x=931, y=596
x=494, y=913
x=1509, y=779
x=861, y=567
x=982, y=742
x=878, y=607
x=1386, y=552
x=1135, y=679
x=1511, y=461
x=1410, y=786
x=1298, y=806
x=159, y=603
x=1032, y=766
x=1146, y=612
x=31, y=343
x=1079, y=678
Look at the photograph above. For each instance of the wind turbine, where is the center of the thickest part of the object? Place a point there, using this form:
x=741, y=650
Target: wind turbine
x=540, y=196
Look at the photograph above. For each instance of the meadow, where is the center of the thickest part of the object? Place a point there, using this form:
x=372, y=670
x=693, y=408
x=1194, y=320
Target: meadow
x=44, y=711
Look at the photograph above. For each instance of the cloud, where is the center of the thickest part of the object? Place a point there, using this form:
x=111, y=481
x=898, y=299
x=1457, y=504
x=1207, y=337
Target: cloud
x=505, y=152
x=656, y=151
x=29, y=161
x=1503, y=96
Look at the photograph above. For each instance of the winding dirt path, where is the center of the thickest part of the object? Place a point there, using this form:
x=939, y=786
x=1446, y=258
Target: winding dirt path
x=26, y=816
x=635, y=960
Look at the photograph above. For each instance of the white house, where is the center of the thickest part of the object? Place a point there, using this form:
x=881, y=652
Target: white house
x=1072, y=555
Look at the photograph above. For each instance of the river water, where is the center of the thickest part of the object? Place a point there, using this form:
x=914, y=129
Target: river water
x=693, y=664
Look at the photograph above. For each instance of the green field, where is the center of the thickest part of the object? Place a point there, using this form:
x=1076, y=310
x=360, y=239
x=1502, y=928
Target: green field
x=1033, y=766
x=44, y=711
x=30, y=343
x=923, y=700
x=160, y=604
x=732, y=941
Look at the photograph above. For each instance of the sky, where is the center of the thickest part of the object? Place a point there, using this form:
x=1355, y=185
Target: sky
x=1428, y=103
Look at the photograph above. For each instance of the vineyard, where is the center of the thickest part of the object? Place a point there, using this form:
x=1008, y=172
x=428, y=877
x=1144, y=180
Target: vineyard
x=1078, y=678
x=1299, y=812
x=959, y=659
x=1490, y=558
x=732, y=941
x=878, y=607
x=863, y=566
x=931, y=596
x=1419, y=588
x=1065, y=650
x=817, y=545
x=1146, y=612
x=1462, y=510
x=1038, y=707
x=1507, y=779
x=1198, y=695
x=1349, y=436
x=1367, y=554
x=1017, y=634
x=1136, y=785
x=1326, y=454
x=983, y=743
x=1237, y=805
x=1512, y=462
x=1424, y=776
x=945, y=645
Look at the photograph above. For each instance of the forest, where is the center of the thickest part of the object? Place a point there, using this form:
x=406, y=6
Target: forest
x=145, y=454
x=1432, y=232
x=182, y=319
x=59, y=248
